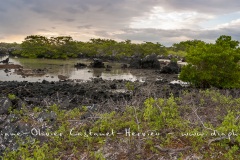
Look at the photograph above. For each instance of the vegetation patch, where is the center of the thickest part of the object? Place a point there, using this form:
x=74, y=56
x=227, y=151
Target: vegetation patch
x=178, y=125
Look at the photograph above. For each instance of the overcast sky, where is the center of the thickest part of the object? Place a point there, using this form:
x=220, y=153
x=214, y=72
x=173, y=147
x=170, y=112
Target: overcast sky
x=163, y=21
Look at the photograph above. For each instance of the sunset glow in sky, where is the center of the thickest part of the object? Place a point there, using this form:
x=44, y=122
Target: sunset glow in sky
x=163, y=21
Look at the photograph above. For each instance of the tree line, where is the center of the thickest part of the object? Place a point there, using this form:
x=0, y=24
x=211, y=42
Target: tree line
x=37, y=46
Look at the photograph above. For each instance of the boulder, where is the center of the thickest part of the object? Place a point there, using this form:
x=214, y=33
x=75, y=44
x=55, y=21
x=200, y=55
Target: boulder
x=171, y=68
x=80, y=65
x=148, y=62
x=97, y=63
x=151, y=61
x=136, y=63
x=45, y=116
x=5, y=61
x=124, y=66
x=5, y=104
x=108, y=66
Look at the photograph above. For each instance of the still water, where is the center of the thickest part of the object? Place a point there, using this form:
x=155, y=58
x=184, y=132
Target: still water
x=57, y=67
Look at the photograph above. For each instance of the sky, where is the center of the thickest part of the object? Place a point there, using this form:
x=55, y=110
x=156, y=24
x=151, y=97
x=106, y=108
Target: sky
x=163, y=21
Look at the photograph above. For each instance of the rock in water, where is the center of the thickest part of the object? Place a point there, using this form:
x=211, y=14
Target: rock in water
x=62, y=78
x=80, y=65
x=97, y=63
x=5, y=61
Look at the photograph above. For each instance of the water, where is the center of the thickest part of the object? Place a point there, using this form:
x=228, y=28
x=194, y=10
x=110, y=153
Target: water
x=57, y=67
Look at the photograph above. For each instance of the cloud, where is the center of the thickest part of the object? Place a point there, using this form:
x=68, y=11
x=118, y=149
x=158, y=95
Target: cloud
x=168, y=37
x=161, y=21
x=87, y=26
x=43, y=30
x=213, y=7
x=231, y=24
x=159, y=18
x=25, y=16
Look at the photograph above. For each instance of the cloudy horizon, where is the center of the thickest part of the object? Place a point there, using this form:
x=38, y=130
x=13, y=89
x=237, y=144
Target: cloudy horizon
x=163, y=21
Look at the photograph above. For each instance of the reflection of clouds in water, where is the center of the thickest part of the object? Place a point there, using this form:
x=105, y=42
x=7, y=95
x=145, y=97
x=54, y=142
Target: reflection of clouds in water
x=82, y=74
x=65, y=70
x=122, y=76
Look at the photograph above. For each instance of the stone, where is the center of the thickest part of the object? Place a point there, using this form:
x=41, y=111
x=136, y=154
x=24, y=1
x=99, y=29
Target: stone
x=97, y=63
x=171, y=68
x=148, y=62
x=44, y=116
x=5, y=104
x=80, y=65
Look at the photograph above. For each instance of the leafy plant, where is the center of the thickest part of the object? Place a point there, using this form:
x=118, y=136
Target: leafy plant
x=130, y=86
x=213, y=64
x=12, y=96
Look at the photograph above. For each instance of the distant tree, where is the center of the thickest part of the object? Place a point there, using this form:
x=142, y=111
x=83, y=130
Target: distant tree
x=35, y=46
x=3, y=50
x=213, y=64
x=148, y=48
x=185, y=45
x=63, y=47
x=8, y=48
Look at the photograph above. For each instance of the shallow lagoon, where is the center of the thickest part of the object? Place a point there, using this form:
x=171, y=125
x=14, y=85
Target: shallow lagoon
x=57, y=67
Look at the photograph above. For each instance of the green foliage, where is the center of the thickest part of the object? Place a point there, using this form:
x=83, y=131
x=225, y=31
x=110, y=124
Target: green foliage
x=37, y=109
x=176, y=53
x=162, y=113
x=12, y=96
x=232, y=153
x=37, y=46
x=130, y=86
x=185, y=45
x=230, y=128
x=213, y=64
x=230, y=124
x=8, y=48
x=29, y=151
x=148, y=48
x=170, y=117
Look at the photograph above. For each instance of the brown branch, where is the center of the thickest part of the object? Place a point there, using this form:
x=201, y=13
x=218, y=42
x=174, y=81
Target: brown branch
x=216, y=139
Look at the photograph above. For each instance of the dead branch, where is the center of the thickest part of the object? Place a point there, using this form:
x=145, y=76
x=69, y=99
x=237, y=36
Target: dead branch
x=216, y=139
x=195, y=112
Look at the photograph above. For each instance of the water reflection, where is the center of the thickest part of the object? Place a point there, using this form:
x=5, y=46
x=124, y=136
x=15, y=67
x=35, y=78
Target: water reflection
x=65, y=68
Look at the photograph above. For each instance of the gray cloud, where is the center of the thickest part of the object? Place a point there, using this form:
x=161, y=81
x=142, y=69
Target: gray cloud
x=87, y=26
x=109, y=18
x=168, y=37
x=44, y=30
x=69, y=20
x=203, y=6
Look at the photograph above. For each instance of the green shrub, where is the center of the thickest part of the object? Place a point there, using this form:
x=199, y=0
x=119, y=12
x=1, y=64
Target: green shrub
x=130, y=86
x=11, y=96
x=213, y=64
x=162, y=113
